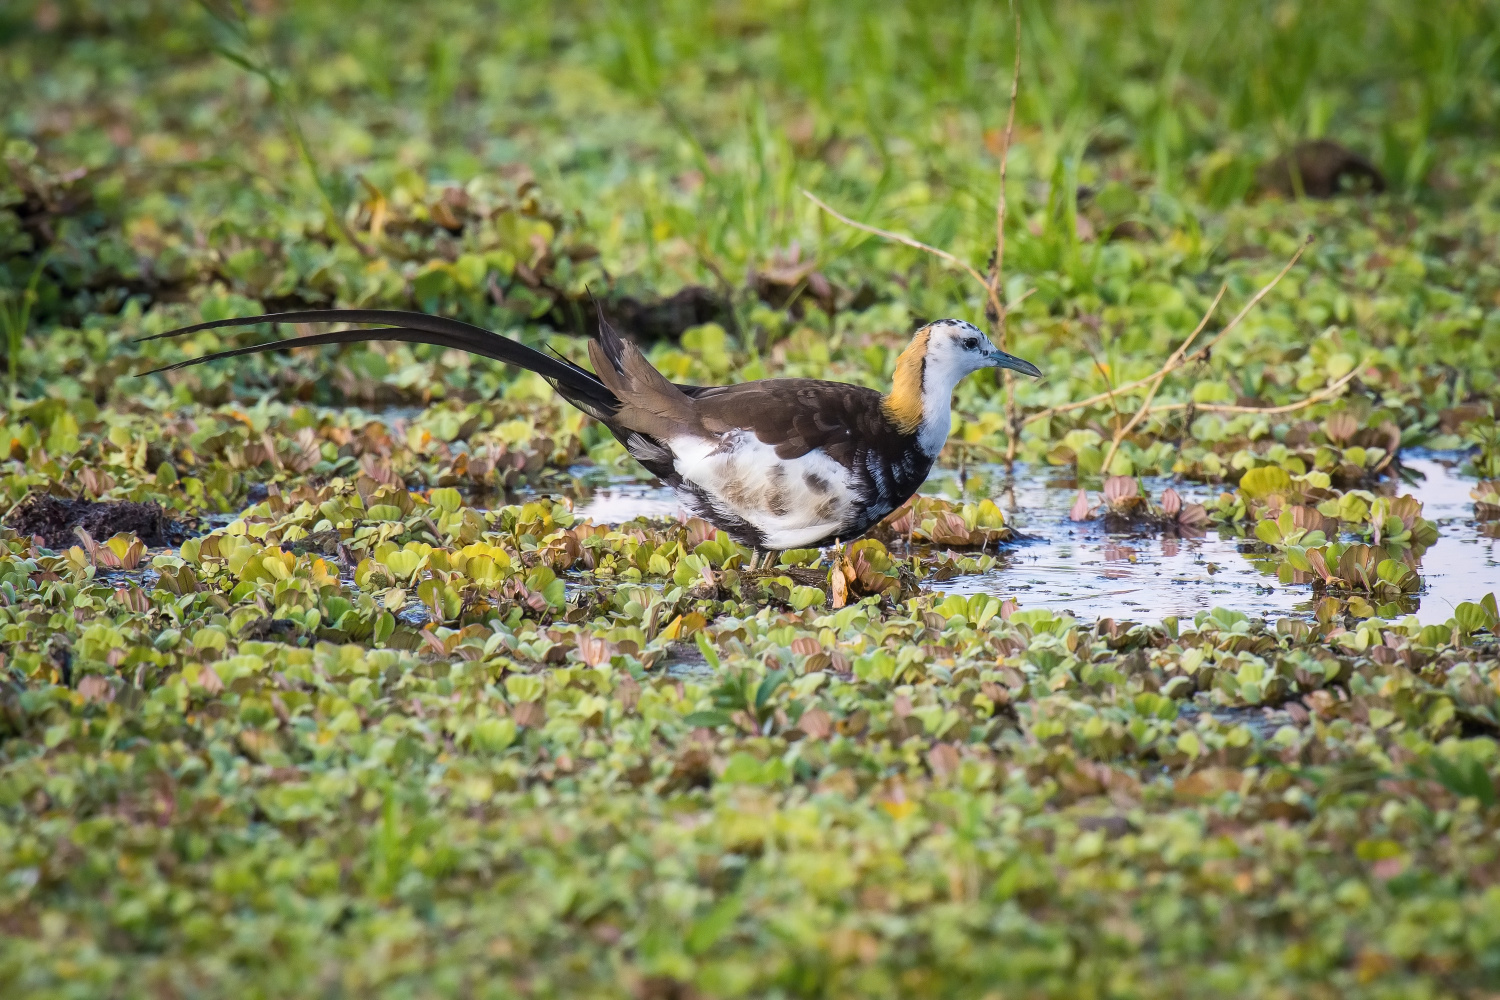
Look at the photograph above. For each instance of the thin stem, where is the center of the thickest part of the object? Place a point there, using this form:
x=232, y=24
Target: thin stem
x=284, y=105
x=17, y=320
x=903, y=239
x=1318, y=397
x=1159, y=378
x=997, y=263
x=1105, y=375
x=1197, y=355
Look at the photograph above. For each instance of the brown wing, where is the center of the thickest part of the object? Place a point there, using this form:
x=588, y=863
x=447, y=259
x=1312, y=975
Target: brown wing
x=846, y=422
x=798, y=415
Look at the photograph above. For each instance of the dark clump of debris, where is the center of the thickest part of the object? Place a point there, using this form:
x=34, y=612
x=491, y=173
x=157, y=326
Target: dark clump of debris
x=667, y=318
x=270, y=629
x=56, y=519
x=660, y=319
x=1322, y=169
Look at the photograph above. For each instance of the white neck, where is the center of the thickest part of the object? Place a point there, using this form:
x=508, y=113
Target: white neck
x=937, y=409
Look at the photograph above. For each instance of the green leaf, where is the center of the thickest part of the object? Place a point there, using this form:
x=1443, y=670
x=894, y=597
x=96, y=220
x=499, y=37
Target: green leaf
x=1269, y=532
x=385, y=625
x=383, y=512
x=743, y=768
x=1227, y=620
x=446, y=499
x=1472, y=617
x=707, y=649
x=403, y=562
x=710, y=719
x=1393, y=572
x=1352, y=508
x=1465, y=777
x=1433, y=636
x=525, y=687
x=493, y=735
x=768, y=686
x=689, y=570
x=706, y=932
x=1264, y=481
x=803, y=598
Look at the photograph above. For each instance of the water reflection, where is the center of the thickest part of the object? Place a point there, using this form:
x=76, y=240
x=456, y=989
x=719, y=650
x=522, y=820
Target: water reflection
x=1080, y=567
x=615, y=502
x=1464, y=565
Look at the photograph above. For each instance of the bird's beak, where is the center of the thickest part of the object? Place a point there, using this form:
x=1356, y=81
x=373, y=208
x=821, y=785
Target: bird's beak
x=999, y=359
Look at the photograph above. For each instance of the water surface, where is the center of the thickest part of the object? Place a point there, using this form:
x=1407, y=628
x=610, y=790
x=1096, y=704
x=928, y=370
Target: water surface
x=1093, y=572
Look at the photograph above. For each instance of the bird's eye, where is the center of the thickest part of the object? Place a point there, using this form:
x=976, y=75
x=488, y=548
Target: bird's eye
x=971, y=343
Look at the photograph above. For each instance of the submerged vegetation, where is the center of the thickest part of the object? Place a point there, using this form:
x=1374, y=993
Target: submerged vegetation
x=314, y=680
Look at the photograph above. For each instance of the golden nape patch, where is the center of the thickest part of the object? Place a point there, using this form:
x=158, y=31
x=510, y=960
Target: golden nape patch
x=903, y=404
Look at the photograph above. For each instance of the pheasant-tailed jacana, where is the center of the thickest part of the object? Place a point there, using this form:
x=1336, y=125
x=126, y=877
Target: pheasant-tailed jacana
x=777, y=463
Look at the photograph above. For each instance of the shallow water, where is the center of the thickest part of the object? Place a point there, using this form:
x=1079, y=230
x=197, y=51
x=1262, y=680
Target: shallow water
x=1098, y=573
x=621, y=501
x=1463, y=565
x=1093, y=572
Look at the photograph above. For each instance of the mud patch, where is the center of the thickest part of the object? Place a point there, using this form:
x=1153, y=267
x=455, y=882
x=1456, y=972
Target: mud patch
x=1322, y=169
x=270, y=630
x=658, y=319
x=56, y=520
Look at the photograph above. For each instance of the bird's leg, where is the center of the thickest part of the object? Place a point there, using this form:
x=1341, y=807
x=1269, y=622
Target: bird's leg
x=754, y=559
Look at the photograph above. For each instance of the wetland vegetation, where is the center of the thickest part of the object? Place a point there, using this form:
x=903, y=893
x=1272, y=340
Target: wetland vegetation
x=378, y=671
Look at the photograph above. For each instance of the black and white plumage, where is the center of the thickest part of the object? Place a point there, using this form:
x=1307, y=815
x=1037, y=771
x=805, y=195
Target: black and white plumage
x=776, y=463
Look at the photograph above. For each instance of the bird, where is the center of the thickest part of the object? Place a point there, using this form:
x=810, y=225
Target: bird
x=777, y=463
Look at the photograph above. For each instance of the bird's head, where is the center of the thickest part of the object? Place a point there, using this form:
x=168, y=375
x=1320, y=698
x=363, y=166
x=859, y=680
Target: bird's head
x=941, y=355
x=956, y=349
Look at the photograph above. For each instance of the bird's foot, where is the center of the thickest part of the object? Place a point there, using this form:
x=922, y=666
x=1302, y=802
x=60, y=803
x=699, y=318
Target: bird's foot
x=762, y=561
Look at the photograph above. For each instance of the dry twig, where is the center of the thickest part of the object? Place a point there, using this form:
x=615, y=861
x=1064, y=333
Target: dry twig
x=1331, y=390
x=1177, y=360
x=901, y=238
x=1157, y=379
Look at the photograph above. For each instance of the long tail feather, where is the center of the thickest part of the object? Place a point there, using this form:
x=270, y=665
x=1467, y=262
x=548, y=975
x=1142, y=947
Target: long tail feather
x=416, y=328
x=577, y=385
x=388, y=317
x=405, y=334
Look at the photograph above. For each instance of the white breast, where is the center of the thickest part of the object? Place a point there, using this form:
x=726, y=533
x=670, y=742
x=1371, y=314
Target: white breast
x=792, y=502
